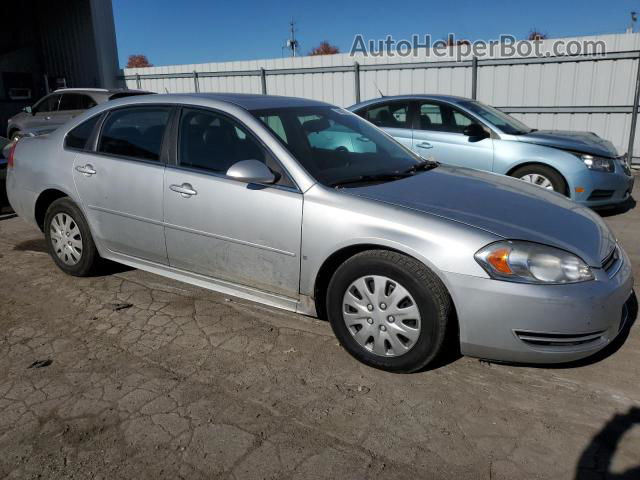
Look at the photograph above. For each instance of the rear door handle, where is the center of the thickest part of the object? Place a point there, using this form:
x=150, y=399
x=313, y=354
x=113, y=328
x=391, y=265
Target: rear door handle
x=424, y=145
x=186, y=190
x=87, y=170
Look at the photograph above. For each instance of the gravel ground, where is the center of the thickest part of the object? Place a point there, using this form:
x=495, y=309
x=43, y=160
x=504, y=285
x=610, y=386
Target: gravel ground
x=131, y=375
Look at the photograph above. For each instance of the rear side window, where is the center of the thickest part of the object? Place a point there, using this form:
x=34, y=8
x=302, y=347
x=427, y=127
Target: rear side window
x=79, y=136
x=135, y=132
x=76, y=101
x=390, y=115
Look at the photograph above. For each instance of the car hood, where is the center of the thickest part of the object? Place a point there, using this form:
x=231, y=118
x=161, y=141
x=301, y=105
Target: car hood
x=501, y=205
x=583, y=142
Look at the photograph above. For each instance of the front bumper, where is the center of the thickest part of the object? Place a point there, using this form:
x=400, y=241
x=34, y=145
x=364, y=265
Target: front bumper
x=602, y=189
x=517, y=322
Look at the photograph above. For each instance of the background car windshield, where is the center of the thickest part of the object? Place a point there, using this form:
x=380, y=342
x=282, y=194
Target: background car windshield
x=335, y=145
x=495, y=117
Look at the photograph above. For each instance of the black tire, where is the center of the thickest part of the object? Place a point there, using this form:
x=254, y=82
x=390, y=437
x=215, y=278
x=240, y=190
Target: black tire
x=558, y=182
x=431, y=297
x=89, y=257
x=14, y=135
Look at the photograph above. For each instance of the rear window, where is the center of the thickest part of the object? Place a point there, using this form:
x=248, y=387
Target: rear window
x=115, y=96
x=135, y=132
x=79, y=136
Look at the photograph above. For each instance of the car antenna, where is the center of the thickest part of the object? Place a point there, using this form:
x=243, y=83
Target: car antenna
x=379, y=91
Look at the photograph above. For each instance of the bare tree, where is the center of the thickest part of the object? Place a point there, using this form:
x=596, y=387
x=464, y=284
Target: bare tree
x=138, y=61
x=325, y=48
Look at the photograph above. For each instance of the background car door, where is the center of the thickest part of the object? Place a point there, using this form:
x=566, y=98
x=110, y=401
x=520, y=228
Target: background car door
x=438, y=134
x=394, y=118
x=72, y=104
x=121, y=184
x=43, y=113
x=224, y=228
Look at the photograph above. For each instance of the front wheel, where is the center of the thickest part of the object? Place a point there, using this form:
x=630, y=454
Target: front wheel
x=69, y=240
x=388, y=310
x=542, y=176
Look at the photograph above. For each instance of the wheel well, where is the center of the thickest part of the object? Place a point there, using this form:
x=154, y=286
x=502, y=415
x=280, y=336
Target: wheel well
x=528, y=164
x=11, y=132
x=45, y=199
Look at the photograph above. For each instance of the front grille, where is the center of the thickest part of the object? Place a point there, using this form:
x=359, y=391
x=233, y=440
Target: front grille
x=558, y=339
x=601, y=194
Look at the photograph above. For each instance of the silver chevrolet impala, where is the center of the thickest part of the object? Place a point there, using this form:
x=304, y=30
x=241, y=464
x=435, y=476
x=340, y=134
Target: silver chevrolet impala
x=305, y=206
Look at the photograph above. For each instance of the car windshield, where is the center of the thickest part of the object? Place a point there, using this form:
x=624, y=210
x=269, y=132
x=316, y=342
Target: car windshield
x=337, y=147
x=498, y=119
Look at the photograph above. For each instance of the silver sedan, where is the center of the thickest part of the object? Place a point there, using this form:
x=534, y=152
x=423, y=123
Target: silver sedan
x=305, y=206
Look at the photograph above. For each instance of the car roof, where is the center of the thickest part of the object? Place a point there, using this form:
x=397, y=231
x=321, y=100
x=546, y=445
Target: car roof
x=247, y=101
x=418, y=96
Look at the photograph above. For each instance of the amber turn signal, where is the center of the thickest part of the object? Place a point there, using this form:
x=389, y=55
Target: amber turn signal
x=499, y=260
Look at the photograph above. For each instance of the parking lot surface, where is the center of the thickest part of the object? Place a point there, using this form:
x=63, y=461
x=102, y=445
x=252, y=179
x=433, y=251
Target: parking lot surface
x=131, y=375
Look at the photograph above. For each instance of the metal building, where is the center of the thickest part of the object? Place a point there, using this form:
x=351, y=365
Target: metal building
x=46, y=45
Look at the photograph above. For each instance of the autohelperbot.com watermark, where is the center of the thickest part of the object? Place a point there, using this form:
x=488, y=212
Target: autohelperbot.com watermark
x=505, y=46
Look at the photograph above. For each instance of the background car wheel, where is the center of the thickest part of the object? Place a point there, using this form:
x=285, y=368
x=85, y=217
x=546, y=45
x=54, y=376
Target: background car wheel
x=14, y=136
x=388, y=310
x=68, y=238
x=542, y=176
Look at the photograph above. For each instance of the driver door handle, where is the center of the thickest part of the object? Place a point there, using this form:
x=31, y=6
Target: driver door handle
x=87, y=170
x=424, y=145
x=186, y=190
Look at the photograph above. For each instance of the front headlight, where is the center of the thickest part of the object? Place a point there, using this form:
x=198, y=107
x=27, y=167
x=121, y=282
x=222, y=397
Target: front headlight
x=599, y=164
x=527, y=262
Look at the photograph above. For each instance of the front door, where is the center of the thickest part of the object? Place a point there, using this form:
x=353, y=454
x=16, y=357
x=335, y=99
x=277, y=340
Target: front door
x=121, y=184
x=223, y=228
x=438, y=134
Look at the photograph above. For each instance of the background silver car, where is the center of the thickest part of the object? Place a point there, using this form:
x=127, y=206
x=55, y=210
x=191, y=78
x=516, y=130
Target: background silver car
x=229, y=192
x=467, y=133
x=59, y=107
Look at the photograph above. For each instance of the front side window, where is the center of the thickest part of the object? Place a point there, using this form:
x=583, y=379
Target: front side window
x=389, y=115
x=439, y=117
x=47, y=104
x=498, y=119
x=79, y=136
x=213, y=142
x=76, y=101
x=336, y=146
x=135, y=132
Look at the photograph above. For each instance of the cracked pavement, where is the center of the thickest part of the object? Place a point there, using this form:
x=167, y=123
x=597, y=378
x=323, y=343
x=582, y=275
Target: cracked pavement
x=131, y=375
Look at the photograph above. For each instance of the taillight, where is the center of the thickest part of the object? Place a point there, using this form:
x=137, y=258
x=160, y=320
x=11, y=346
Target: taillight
x=11, y=155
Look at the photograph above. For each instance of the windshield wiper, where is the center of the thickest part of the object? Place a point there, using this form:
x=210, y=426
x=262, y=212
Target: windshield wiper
x=381, y=177
x=423, y=166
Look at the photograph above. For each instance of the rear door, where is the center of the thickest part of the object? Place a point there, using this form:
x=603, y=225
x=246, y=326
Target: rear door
x=72, y=104
x=438, y=134
x=121, y=182
x=394, y=117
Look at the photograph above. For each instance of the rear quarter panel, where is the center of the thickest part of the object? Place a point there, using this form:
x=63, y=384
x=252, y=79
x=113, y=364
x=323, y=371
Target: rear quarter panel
x=40, y=163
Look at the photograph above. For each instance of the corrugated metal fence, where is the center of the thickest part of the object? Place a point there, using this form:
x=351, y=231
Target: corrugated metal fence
x=585, y=92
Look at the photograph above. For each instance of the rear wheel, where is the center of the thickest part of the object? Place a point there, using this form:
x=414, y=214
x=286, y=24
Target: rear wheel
x=14, y=136
x=542, y=176
x=388, y=310
x=68, y=238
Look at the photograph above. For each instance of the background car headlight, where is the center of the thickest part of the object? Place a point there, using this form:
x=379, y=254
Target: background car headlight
x=527, y=262
x=599, y=164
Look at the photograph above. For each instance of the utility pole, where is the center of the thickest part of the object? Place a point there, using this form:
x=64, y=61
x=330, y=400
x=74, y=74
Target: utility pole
x=632, y=24
x=292, y=44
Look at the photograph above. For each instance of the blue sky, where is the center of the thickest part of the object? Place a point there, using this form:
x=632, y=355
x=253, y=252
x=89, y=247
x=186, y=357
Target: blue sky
x=198, y=31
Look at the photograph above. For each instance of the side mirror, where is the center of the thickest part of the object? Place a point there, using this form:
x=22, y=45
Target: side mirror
x=27, y=109
x=251, y=171
x=475, y=131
